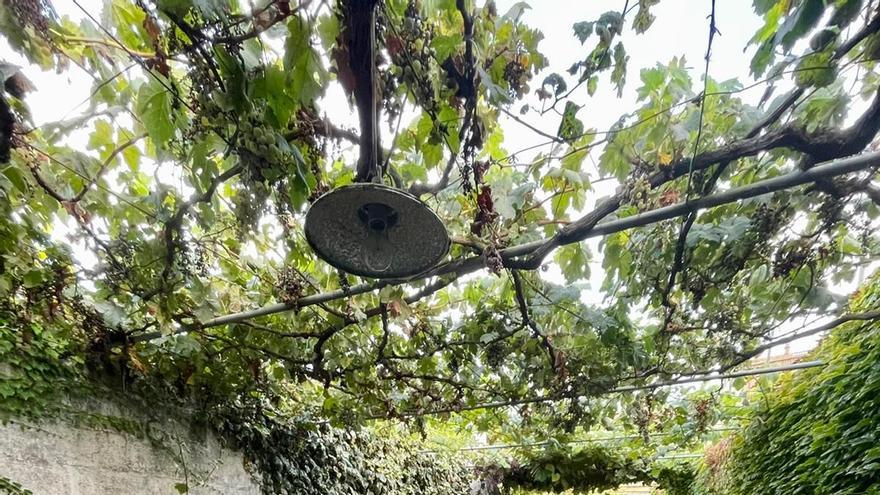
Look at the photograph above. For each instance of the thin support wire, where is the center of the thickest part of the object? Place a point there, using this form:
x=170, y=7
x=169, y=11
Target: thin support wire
x=564, y=442
x=700, y=377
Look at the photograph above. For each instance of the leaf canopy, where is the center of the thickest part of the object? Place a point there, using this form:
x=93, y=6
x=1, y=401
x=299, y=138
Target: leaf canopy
x=206, y=138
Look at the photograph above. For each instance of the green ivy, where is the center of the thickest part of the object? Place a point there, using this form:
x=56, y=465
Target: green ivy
x=817, y=431
x=590, y=469
x=39, y=368
x=309, y=460
x=229, y=101
x=35, y=369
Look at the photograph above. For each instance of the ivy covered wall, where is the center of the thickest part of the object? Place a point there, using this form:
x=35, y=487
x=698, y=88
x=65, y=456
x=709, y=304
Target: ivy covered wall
x=131, y=437
x=134, y=433
x=818, y=430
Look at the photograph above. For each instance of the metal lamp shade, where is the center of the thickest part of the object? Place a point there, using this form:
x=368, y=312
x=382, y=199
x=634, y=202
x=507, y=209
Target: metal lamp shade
x=375, y=231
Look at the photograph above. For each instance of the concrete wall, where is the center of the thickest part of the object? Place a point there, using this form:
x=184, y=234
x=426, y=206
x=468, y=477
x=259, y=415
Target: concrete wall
x=61, y=458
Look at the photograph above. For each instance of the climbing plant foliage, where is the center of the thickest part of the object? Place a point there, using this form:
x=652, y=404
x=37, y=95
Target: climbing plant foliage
x=814, y=431
x=329, y=461
x=45, y=378
x=175, y=194
x=593, y=469
x=34, y=376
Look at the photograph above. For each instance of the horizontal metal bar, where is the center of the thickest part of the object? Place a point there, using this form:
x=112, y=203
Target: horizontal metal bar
x=760, y=188
x=565, y=442
x=787, y=181
x=725, y=376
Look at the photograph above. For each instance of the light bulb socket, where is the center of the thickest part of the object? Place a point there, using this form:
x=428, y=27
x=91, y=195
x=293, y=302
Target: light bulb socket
x=377, y=217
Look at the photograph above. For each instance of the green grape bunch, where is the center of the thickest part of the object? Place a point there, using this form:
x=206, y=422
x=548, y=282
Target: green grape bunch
x=413, y=58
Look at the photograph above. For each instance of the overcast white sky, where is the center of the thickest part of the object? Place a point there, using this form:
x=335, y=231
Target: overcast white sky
x=681, y=29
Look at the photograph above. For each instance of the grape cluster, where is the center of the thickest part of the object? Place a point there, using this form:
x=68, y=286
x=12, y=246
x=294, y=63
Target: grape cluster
x=467, y=167
x=392, y=104
x=193, y=258
x=201, y=100
x=99, y=334
x=494, y=261
x=792, y=257
x=766, y=220
x=33, y=13
x=250, y=204
x=89, y=317
x=643, y=416
x=702, y=413
x=454, y=364
x=572, y=417
x=697, y=285
x=517, y=77
x=260, y=141
x=866, y=231
x=640, y=193
x=259, y=146
x=412, y=56
x=343, y=282
x=496, y=351
x=289, y=286
x=265, y=155
x=314, y=157
x=308, y=130
x=263, y=150
x=50, y=294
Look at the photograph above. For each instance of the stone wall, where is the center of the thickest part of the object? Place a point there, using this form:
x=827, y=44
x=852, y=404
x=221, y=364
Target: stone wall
x=119, y=450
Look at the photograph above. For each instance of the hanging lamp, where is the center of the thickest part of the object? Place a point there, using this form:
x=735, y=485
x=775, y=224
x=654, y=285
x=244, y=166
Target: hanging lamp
x=367, y=228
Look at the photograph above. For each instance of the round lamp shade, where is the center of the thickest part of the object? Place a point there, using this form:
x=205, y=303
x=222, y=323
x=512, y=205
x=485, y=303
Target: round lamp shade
x=375, y=231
